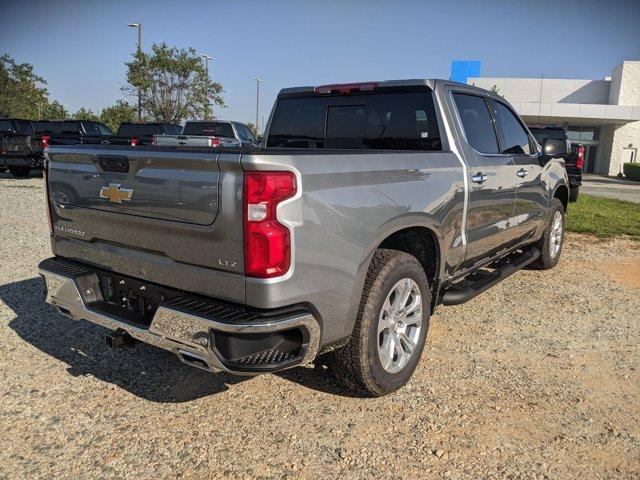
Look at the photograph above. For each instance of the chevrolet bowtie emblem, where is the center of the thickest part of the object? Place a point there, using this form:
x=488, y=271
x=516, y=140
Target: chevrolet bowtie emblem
x=115, y=194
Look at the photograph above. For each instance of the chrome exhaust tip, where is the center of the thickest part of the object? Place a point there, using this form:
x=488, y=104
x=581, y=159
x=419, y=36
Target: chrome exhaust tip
x=194, y=360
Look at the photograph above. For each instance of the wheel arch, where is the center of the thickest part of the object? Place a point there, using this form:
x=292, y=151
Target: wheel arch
x=561, y=192
x=417, y=235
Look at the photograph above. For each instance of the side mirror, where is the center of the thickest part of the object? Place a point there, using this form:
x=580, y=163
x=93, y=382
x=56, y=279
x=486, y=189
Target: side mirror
x=556, y=147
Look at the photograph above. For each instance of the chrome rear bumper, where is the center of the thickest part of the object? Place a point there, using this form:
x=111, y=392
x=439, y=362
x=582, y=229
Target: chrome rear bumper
x=177, y=327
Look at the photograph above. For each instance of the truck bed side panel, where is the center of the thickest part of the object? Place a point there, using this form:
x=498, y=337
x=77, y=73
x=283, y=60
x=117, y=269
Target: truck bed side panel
x=350, y=203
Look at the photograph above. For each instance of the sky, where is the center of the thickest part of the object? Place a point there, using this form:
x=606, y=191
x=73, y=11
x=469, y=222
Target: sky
x=80, y=47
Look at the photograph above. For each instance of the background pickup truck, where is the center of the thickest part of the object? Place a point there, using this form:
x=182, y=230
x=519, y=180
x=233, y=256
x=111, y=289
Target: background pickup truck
x=573, y=157
x=20, y=147
x=73, y=132
x=369, y=205
x=135, y=133
x=204, y=133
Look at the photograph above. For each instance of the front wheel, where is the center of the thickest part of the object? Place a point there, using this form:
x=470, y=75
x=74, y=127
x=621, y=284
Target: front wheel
x=391, y=327
x=19, y=172
x=550, y=245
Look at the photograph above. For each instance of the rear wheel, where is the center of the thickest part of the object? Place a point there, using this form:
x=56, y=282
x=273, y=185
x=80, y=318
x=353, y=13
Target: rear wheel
x=19, y=172
x=573, y=194
x=550, y=245
x=390, y=330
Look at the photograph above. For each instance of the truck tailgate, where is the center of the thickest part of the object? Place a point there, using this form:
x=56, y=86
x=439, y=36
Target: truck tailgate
x=160, y=215
x=17, y=144
x=161, y=186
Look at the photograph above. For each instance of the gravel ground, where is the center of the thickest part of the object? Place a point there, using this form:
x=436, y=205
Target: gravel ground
x=537, y=378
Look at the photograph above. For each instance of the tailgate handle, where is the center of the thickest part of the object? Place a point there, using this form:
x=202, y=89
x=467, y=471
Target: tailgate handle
x=113, y=163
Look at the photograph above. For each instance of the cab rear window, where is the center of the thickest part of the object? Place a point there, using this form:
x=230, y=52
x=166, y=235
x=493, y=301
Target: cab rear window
x=132, y=129
x=215, y=129
x=381, y=121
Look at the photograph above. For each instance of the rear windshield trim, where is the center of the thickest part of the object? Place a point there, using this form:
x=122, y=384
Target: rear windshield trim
x=380, y=89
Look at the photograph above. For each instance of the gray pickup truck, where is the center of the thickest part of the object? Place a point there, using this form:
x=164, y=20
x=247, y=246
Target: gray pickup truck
x=366, y=207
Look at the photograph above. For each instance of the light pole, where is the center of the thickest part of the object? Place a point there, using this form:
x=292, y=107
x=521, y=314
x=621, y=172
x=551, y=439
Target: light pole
x=206, y=62
x=257, y=103
x=139, y=27
x=206, y=66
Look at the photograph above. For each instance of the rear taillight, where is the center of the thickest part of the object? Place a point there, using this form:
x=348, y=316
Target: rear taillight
x=345, y=88
x=154, y=142
x=267, y=242
x=134, y=141
x=580, y=160
x=45, y=140
x=214, y=142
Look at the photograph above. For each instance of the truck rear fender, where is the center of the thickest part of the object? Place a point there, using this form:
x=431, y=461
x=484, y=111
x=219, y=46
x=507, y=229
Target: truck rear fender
x=426, y=247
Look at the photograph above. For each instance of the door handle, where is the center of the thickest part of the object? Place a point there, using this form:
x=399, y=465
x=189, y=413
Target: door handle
x=522, y=173
x=479, y=178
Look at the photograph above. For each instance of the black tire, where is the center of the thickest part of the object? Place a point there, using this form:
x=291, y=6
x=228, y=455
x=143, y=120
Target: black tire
x=20, y=172
x=547, y=259
x=573, y=194
x=358, y=364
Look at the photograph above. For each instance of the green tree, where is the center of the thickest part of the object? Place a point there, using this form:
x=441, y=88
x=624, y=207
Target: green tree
x=85, y=114
x=173, y=84
x=22, y=93
x=54, y=111
x=120, y=112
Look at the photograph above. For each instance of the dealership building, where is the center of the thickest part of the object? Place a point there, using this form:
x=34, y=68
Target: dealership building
x=603, y=115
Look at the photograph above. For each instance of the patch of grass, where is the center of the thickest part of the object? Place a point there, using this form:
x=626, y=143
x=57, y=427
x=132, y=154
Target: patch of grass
x=603, y=217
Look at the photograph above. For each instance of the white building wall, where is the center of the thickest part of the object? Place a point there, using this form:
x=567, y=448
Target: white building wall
x=547, y=90
x=625, y=91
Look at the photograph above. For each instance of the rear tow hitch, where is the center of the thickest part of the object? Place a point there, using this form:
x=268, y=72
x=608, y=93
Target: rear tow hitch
x=119, y=339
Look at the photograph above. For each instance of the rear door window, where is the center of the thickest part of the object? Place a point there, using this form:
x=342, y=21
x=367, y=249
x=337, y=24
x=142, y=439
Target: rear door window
x=514, y=137
x=71, y=127
x=173, y=129
x=140, y=130
x=42, y=127
x=244, y=132
x=386, y=121
x=90, y=128
x=25, y=127
x=104, y=130
x=476, y=122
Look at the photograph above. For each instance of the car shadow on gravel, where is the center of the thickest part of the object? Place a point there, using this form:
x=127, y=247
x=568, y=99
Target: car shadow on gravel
x=32, y=174
x=143, y=370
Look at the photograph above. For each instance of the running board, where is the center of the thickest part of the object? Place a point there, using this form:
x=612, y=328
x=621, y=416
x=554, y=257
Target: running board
x=477, y=282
